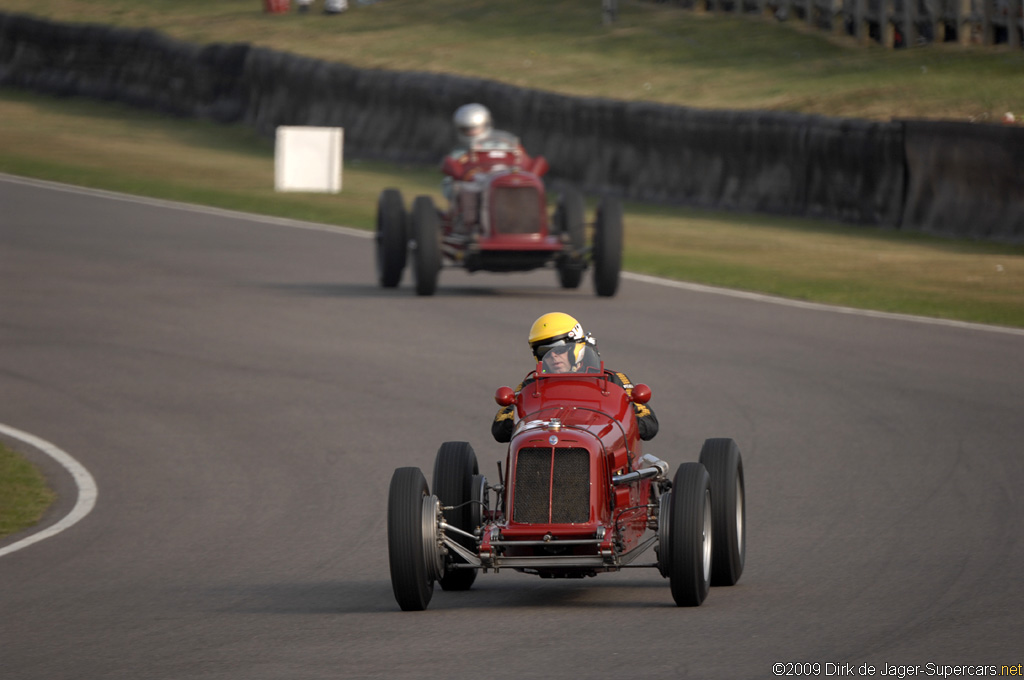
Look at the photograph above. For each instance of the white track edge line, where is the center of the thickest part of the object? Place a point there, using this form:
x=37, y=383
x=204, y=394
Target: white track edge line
x=87, y=490
x=639, y=278
x=190, y=207
x=818, y=306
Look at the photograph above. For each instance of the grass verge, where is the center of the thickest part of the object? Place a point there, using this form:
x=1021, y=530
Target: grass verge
x=113, y=147
x=24, y=495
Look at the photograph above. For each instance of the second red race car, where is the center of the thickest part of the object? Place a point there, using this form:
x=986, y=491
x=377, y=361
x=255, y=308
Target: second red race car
x=578, y=497
x=497, y=220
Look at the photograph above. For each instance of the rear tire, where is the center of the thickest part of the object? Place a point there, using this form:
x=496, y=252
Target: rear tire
x=607, y=247
x=426, y=233
x=391, y=238
x=690, y=544
x=411, y=577
x=569, y=219
x=722, y=459
x=454, y=470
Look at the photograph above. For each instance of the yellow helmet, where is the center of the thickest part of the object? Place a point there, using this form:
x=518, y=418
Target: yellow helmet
x=554, y=328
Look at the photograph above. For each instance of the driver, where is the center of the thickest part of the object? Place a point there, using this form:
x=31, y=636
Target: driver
x=559, y=343
x=474, y=130
x=474, y=127
x=481, y=149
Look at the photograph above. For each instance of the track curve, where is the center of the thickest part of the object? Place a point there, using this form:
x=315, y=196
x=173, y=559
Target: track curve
x=84, y=492
x=242, y=391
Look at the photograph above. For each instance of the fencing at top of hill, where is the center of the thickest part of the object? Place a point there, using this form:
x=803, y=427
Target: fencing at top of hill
x=893, y=23
x=952, y=178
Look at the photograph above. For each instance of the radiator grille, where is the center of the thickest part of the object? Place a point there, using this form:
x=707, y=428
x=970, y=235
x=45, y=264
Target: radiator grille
x=568, y=491
x=570, y=497
x=516, y=210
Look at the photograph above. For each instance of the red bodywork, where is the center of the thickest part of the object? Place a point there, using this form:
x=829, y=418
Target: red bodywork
x=497, y=220
x=577, y=497
x=561, y=510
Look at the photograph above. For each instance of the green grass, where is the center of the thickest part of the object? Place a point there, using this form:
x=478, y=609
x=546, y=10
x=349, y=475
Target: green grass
x=24, y=495
x=118, y=148
x=655, y=52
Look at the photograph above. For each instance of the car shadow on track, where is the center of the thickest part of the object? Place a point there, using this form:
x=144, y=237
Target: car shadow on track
x=563, y=596
x=365, y=597
x=358, y=290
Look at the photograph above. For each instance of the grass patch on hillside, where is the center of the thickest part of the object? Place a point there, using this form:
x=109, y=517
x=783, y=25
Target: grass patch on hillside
x=114, y=147
x=24, y=495
x=656, y=52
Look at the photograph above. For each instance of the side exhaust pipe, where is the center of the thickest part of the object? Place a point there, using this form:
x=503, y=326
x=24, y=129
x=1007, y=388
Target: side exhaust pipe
x=655, y=468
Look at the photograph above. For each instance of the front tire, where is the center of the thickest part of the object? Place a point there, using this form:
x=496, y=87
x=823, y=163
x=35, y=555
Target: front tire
x=690, y=544
x=411, y=577
x=569, y=220
x=426, y=233
x=391, y=238
x=454, y=471
x=722, y=459
x=607, y=247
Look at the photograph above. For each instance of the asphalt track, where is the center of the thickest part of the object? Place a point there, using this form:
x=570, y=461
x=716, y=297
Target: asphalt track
x=241, y=392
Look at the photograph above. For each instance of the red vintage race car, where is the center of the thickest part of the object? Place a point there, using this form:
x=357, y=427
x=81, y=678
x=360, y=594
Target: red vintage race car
x=579, y=497
x=497, y=220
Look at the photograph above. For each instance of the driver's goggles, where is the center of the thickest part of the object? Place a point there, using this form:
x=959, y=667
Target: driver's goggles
x=558, y=347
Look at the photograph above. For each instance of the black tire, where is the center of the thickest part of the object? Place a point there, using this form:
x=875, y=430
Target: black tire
x=411, y=578
x=454, y=470
x=722, y=459
x=607, y=252
x=426, y=234
x=689, y=548
x=569, y=219
x=392, y=238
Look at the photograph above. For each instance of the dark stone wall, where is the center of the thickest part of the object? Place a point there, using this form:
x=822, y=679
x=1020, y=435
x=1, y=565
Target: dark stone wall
x=967, y=180
x=141, y=68
x=947, y=178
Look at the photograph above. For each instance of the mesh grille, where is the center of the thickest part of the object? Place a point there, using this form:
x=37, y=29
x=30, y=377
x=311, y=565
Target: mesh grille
x=569, y=494
x=515, y=210
x=570, y=497
x=533, y=469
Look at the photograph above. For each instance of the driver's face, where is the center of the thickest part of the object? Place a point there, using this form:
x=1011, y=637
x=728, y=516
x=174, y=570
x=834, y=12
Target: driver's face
x=560, y=361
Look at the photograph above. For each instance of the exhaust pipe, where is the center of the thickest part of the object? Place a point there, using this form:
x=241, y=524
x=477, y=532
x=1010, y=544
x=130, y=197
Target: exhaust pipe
x=655, y=468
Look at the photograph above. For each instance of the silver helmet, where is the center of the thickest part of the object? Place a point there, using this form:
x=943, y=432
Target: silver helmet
x=472, y=122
